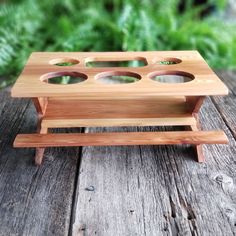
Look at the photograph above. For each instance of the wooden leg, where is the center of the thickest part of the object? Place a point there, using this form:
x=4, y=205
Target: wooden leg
x=39, y=156
x=199, y=148
x=200, y=156
x=40, y=151
x=195, y=104
x=40, y=106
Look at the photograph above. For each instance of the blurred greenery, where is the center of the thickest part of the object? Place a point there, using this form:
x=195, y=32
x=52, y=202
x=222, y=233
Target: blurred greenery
x=131, y=63
x=70, y=25
x=66, y=79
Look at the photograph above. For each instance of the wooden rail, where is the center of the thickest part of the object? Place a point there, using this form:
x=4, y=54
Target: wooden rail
x=122, y=138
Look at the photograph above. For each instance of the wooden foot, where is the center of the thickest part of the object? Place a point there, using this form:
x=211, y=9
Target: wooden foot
x=199, y=147
x=199, y=151
x=40, y=151
x=39, y=156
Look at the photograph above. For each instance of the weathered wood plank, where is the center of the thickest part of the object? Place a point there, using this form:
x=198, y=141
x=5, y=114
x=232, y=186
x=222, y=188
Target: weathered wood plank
x=158, y=190
x=120, y=138
x=227, y=105
x=121, y=190
x=33, y=200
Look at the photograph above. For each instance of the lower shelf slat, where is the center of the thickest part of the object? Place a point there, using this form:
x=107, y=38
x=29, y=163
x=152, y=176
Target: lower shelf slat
x=120, y=138
x=160, y=121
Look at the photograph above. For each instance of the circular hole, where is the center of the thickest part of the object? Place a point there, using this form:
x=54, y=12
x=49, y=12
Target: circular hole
x=118, y=77
x=64, y=62
x=64, y=78
x=171, y=77
x=168, y=61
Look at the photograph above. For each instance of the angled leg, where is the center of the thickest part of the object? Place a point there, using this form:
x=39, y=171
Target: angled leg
x=40, y=151
x=40, y=105
x=195, y=104
x=199, y=149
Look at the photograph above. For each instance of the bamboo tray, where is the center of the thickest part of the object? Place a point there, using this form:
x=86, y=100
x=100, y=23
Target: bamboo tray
x=148, y=98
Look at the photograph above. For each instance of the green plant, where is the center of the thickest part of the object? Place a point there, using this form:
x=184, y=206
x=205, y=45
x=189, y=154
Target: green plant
x=66, y=79
x=65, y=64
x=71, y=25
x=167, y=63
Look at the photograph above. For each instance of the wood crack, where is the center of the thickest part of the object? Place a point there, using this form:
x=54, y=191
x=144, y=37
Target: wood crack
x=144, y=221
x=75, y=191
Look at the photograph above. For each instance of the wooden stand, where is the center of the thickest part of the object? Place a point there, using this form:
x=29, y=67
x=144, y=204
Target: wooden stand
x=93, y=103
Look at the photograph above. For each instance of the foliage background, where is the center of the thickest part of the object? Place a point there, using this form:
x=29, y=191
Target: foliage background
x=73, y=25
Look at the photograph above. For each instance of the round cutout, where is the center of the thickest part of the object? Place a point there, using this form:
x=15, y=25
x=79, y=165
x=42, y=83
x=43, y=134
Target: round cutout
x=168, y=61
x=64, y=62
x=63, y=78
x=118, y=77
x=171, y=77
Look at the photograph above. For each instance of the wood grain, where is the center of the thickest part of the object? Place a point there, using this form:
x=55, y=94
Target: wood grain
x=33, y=201
x=122, y=108
x=120, y=190
x=161, y=121
x=227, y=105
x=39, y=66
x=91, y=101
x=120, y=138
x=157, y=190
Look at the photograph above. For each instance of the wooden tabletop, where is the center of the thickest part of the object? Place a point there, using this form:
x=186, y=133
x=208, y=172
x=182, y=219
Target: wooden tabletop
x=136, y=190
x=42, y=65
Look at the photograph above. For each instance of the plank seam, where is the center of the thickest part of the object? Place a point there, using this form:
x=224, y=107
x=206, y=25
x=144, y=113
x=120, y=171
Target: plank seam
x=18, y=127
x=75, y=188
